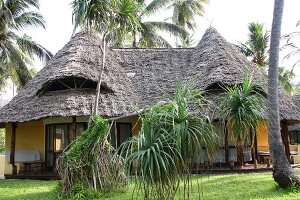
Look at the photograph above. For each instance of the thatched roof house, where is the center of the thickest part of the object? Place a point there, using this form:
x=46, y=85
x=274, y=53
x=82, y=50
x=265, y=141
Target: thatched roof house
x=52, y=109
x=66, y=86
x=296, y=101
x=213, y=62
x=133, y=78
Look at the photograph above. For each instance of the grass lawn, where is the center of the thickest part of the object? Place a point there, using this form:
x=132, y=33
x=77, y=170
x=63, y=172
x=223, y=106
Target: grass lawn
x=217, y=187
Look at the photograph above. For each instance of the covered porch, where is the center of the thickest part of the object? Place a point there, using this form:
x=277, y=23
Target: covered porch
x=33, y=147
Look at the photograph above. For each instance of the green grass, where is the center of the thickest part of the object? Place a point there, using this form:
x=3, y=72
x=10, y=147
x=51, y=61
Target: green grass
x=214, y=187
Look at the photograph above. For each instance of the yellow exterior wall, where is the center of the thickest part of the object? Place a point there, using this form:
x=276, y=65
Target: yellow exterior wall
x=2, y=165
x=29, y=136
x=136, y=125
x=263, y=143
x=262, y=136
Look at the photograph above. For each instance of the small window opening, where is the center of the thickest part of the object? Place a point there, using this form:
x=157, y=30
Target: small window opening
x=72, y=83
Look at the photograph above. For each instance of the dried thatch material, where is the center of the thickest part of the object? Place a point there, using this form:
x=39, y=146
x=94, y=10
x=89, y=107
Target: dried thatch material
x=296, y=100
x=131, y=73
x=78, y=58
x=212, y=63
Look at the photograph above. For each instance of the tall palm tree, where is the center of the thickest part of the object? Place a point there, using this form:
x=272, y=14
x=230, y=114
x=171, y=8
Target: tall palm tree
x=17, y=52
x=148, y=34
x=257, y=48
x=242, y=108
x=111, y=20
x=184, y=12
x=257, y=45
x=283, y=173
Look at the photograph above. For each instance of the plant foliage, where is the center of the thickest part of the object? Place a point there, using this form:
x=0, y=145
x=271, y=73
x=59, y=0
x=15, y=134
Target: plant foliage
x=243, y=106
x=17, y=52
x=170, y=138
x=89, y=163
x=2, y=140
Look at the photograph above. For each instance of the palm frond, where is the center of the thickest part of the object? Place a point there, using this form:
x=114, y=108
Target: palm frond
x=18, y=7
x=18, y=64
x=155, y=6
x=245, y=49
x=31, y=48
x=185, y=10
x=172, y=29
x=29, y=19
x=243, y=107
x=170, y=138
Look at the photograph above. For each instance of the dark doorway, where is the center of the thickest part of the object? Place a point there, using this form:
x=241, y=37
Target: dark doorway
x=123, y=132
x=58, y=137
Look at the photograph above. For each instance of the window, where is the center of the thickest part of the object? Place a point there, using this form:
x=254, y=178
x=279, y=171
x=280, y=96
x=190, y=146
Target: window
x=294, y=137
x=70, y=83
x=58, y=137
x=61, y=138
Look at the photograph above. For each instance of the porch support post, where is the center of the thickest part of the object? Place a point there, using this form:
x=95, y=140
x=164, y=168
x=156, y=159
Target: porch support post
x=255, y=143
x=116, y=134
x=226, y=145
x=285, y=138
x=254, y=149
x=13, y=147
x=74, y=127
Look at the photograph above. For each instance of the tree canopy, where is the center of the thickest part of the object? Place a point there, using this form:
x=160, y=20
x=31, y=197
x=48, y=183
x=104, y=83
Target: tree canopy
x=18, y=52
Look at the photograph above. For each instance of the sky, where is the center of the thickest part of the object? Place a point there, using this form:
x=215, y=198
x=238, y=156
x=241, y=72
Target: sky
x=230, y=18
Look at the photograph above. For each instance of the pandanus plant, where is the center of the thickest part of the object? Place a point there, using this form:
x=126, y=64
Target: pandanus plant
x=170, y=138
x=243, y=107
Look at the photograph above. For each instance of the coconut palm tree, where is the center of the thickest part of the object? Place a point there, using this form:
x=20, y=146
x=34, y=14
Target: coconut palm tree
x=257, y=45
x=257, y=48
x=148, y=34
x=242, y=108
x=111, y=20
x=17, y=52
x=283, y=173
x=184, y=12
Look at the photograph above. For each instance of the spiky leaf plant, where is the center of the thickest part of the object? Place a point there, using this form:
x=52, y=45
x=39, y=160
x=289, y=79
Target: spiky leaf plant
x=243, y=106
x=170, y=138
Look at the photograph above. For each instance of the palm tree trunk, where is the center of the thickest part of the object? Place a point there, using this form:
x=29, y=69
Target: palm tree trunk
x=283, y=173
x=240, y=152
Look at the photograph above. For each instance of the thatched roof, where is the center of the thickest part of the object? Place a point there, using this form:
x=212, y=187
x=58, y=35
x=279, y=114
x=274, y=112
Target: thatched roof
x=79, y=58
x=132, y=76
x=213, y=62
x=296, y=100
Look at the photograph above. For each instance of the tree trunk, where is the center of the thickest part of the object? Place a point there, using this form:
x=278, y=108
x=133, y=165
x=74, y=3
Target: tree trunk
x=103, y=62
x=285, y=139
x=240, y=153
x=283, y=173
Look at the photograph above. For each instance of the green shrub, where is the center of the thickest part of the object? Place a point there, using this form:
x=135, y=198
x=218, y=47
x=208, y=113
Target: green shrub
x=88, y=166
x=2, y=140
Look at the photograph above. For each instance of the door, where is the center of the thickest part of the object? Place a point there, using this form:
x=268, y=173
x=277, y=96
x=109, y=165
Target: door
x=123, y=132
x=58, y=137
